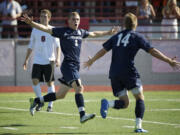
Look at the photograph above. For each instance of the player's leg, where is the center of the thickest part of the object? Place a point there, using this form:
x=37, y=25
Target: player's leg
x=78, y=87
x=140, y=108
x=118, y=91
x=36, y=77
x=49, y=97
x=48, y=72
x=51, y=89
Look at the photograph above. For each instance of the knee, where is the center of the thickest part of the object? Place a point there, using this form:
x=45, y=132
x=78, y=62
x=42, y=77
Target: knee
x=35, y=81
x=80, y=89
x=60, y=96
x=49, y=84
x=126, y=103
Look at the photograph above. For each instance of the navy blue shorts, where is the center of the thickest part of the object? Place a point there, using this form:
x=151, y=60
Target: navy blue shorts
x=119, y=84
x=70, y=72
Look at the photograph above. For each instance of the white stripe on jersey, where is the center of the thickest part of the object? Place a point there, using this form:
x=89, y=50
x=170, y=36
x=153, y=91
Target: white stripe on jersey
x=44, y=46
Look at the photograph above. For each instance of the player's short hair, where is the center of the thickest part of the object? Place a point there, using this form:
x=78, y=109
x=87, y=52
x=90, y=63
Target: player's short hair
x=130, y=21
x=72, y=14
x=46, y=11
x=173, y=1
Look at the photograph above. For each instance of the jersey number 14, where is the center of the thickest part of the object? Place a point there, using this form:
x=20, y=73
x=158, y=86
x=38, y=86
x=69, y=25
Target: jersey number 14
x=124, y=41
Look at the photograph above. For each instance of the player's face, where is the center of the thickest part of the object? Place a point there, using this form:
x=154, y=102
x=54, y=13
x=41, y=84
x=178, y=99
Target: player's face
x=74, y=22
x=44, y=19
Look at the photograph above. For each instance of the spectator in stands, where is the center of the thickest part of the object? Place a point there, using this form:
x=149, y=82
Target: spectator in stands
x=10, y=10
x=159, y=4
x=171, y=12
x=90, y=11
x=145, y=14
x=123, y=74
x=71, y=40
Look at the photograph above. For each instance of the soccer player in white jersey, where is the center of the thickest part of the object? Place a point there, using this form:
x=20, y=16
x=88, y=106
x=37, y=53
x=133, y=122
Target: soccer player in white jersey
x=46, y=50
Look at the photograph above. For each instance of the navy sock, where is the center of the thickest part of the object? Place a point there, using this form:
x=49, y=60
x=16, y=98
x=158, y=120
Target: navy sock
x=50, y=97
x=140, y=108
x=80, y=103
x=119, y=104
x=37, y=100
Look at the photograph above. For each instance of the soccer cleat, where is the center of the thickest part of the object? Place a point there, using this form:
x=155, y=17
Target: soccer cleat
x=140, y=130
x=39, y=106
x=49, y=109
x=85, y=118
x=104, y=108
x=32, y=105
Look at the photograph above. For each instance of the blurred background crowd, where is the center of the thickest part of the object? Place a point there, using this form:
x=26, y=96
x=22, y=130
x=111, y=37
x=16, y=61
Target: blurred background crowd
x=159, y=13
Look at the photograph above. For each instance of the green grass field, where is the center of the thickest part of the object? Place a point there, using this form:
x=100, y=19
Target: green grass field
x=162, y=116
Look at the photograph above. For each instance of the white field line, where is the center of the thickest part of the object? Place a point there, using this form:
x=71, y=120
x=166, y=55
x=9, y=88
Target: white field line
x=156, y=110
x=70, y=127
x=114, y=118
x=95, y=100
x=10, y=128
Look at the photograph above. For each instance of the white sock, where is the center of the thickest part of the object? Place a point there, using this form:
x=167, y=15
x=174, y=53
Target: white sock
x=138, y=123
x=50, y=90
x=111, y=103
x=81, y=109
x=37, y=90
x=41, y=99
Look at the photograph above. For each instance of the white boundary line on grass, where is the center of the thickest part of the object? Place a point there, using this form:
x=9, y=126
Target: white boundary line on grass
x=96, y=100
x=10, y=128
x=114, y=118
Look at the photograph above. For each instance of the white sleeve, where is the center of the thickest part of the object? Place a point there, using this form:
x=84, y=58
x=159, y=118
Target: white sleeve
x=18, y=8
x=32, y=40
x=57, y=42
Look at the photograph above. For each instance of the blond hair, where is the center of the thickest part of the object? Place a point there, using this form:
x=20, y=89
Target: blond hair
x=46, y=11
x=130, y=21
x=72, y=14
x=169, y=2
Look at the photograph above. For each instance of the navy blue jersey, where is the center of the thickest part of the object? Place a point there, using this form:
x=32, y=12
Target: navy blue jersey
x=125, y=46
x=70, y=41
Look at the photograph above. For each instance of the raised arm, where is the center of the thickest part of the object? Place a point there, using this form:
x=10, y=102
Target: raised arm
x=114, y=30
x=98, y=55
x=25, y=18
x=171, y=61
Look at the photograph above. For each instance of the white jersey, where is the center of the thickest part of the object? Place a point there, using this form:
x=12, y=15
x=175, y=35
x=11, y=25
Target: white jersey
x=44, y=47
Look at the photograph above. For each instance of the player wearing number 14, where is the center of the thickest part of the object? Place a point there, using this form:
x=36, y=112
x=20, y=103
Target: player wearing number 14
x=123, y=74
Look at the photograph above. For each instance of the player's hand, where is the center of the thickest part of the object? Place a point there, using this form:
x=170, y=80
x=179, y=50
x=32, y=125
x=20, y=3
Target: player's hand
x=25, y=65
x=88, y=63
x=25, y=18
x=57, y=61
x=114, y=30
x=174, y=64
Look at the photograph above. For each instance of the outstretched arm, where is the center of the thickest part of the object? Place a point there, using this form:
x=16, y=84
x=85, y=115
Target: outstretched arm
x=114, y=30
x=98, y=55
x=25, y=18
x=171, y=61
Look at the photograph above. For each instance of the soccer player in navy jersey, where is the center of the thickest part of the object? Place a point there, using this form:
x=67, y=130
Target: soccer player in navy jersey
x=123, y=74
x=70, y=42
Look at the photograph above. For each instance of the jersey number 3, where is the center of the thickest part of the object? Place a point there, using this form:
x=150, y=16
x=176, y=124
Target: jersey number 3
x=123, y=41
x=43, y=38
